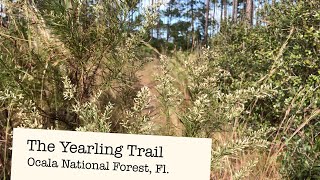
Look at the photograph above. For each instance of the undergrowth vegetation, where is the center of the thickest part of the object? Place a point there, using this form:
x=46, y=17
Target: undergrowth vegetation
x=284, y=54
x=254, y=91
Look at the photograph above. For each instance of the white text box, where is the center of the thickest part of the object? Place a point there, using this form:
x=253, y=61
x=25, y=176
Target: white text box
x=55, y=154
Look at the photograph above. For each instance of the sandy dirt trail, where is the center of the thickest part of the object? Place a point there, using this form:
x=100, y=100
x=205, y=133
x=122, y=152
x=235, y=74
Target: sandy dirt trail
x=146, y=78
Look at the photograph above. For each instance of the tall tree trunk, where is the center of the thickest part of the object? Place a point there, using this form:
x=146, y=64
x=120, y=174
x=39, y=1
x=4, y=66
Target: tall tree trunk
x=151, y=33
x=234, y=10
x=192, y=23
x=213, y=15
x=249, y=12
x=159, y=21
x=158, y=25
x=188, y=34
x=221, y=15
x=207, y=22
x=225, y=10
x=168, y=23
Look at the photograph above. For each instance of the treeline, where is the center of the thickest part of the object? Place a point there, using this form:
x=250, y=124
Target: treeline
x=186, y=24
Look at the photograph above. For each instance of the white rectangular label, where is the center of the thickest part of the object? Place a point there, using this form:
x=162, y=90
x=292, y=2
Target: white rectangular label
x=54, y=154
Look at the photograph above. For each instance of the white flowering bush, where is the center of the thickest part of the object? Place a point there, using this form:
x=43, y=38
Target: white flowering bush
x=92, y=117
x=137, y=120
x=169, y=96
x=209, y=102
x=19, y=110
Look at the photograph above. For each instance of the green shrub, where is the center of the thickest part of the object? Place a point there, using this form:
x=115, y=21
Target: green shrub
x=284, y=53
x=68, y=65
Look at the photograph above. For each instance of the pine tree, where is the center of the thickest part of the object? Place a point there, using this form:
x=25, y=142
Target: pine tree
x=207, y=22
x=234, y=10
x=249, y=12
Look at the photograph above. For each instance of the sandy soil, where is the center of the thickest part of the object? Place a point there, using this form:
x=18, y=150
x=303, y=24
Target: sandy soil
x=146, y=78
